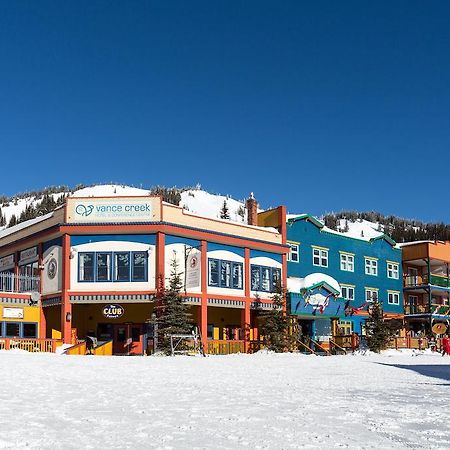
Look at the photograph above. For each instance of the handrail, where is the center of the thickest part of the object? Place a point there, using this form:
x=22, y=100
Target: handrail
x=338, y=346
x=77, y=349
x=10, y=282
x=104, y=348
x=318, y=345
x=305, y=346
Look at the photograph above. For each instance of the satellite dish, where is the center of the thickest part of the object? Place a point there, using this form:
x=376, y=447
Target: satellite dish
x=35, y=297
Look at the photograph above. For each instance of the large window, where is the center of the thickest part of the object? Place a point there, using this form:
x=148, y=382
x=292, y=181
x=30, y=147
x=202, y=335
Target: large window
x=225, y=274
x=294, y=254
x=348, y=292
x=86, y=267
x=29, y=275
x=371, y=266
x=371, y=295
x=118, y=266
x=394, y=298
x=392, y=270
x=12, y=329
x=347, y=262
x=320, y=257
x=264, y=279
x=29, y=330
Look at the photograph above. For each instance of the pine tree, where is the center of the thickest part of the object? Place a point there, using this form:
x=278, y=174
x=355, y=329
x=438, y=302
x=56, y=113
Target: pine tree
x=275, y=326
x=173, y=314
x=224, y=212
x=377, y=329
x=12, y=221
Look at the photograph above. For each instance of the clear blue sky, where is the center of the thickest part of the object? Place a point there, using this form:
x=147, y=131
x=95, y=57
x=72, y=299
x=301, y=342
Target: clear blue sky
x=320, y=105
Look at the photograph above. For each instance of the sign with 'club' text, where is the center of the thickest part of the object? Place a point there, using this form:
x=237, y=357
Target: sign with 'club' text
x=113, y=209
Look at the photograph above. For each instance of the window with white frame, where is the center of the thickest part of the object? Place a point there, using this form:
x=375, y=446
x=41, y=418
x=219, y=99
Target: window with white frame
x=371, y=266
x=320, y=257
x=347, y=262
x=394, y=298
x=371, y=295
x=392, y=270
x=348, y=292
x=293, y=255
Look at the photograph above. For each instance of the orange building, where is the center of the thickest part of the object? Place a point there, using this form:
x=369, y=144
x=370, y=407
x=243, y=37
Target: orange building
x=94, y=267
x=426, y=281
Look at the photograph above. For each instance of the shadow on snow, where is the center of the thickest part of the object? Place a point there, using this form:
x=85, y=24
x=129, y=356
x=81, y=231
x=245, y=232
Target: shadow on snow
x=429, y=370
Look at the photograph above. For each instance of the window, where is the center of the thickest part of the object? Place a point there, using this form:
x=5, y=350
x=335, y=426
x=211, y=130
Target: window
x=345, y=327
x=139, y=267
x=29, y=277
x=371, y=266
x=237, y=276
x=12, y=329
x=347, y=262
x=264, y=278
x=119, y=266
x=86, y=267
x=122, y=267
x=320, y=257
x=371, y=295
x=210, y=331
x=394, y=298
x=348, y=292
x=293, y=254
x=30, y=330
x=1, y=329
x=103, y=266
x=392, y=271
x=225, y=274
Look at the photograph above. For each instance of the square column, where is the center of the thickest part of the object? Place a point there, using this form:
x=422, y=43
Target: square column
x=203, y=316
x=66, y=307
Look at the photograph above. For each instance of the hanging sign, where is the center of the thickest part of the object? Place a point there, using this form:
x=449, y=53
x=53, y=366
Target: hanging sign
x=439, y=328
x=7, y=262
x=193, y=270
x=113, y=311
x=28, y=254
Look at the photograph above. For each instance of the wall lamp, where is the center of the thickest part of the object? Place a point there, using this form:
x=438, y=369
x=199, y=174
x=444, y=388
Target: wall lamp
x=68, y=317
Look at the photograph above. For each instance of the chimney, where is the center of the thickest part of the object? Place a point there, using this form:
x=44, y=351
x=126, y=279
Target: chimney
x=252, y=210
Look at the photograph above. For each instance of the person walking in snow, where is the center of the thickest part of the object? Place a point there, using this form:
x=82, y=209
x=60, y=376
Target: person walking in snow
x=446, y=345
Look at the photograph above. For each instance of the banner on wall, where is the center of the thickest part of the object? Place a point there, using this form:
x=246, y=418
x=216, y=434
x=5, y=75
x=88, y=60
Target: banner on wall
x=193, y=270
x=13, y=313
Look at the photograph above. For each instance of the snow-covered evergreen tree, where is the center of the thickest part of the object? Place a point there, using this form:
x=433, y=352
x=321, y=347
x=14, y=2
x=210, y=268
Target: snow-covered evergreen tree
x=173, y=314
x=377, y=329
x=224, y=212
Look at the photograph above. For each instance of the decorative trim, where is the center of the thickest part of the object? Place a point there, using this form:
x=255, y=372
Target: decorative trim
x=226, y=303
x=53, y=301
x=15, y=301
x=192, y=300
x=101, y=298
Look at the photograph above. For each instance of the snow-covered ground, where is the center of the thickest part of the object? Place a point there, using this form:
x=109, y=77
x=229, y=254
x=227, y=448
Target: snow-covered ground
x=240, y=401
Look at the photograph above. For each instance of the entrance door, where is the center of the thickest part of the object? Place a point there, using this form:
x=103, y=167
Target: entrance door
x=128, y=339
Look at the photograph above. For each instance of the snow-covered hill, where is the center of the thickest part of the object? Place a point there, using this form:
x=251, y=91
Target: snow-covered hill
x=194, y=200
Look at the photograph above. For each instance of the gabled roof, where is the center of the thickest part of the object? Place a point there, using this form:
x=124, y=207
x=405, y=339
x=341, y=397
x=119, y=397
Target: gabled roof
x=307, y=217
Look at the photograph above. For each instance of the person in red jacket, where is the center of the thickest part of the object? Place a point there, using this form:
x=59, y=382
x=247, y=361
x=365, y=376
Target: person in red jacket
x=445, y=345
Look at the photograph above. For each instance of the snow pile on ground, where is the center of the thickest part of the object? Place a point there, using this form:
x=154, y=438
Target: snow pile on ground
x=241, y=401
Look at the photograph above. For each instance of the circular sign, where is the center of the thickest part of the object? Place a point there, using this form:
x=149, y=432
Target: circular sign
x=113, y=311
x=439, y=328
x=52, y=268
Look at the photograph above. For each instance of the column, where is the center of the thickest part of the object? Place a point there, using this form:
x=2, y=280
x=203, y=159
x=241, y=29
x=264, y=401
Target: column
x=245, y=314
x=160, y=262
x=66, y=306
x=203, y=316
x=42, y=320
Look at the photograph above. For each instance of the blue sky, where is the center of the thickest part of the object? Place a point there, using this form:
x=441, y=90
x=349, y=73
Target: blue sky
x=321, y=105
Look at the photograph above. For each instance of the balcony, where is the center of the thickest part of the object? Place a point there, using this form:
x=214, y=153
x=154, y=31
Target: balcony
x=436, y=309
x=10, y=282
x=420, y=280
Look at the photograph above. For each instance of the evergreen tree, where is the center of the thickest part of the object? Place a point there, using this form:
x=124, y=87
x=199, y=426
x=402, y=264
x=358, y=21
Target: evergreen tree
x=224, y=212
x=275, y=326
x=12, y=221
x=173, y=314
x=378, y=330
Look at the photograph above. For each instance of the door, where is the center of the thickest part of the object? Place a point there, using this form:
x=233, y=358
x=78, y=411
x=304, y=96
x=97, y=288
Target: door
x=413, y=276
x=128, y=339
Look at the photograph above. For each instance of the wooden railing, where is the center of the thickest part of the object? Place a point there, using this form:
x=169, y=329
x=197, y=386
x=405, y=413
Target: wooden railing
x=222, y=347
x=104, y=349
x=408, y=342
x=77, y=349
x=30, y=345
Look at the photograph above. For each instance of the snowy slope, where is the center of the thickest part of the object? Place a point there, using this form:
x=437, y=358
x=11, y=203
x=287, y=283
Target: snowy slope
x=262, y=401
x=196, y=201
x=360, y=228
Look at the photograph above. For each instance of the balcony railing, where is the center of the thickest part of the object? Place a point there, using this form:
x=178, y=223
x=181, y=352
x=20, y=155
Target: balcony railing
x=222, y=347
x=436, y=308
x=419, y=280
x=10, y=282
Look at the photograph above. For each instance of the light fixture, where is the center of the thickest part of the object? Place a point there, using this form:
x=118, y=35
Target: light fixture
x=71, y=253
x=68, y=317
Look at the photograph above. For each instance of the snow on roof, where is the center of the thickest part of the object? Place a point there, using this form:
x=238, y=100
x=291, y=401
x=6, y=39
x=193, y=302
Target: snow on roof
x=22, y=225
x=295, y=284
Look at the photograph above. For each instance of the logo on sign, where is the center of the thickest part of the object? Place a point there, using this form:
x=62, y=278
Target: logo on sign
x=84, y=210
x=113, y=311
x=194, y=262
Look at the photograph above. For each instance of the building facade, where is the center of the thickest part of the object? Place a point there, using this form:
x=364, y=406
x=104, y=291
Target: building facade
x=95, y=267
x=333, y=278
x=426, y=283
